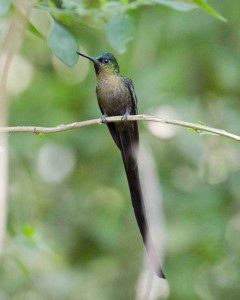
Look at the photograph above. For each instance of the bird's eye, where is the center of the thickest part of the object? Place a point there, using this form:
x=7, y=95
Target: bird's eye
x=105, y=61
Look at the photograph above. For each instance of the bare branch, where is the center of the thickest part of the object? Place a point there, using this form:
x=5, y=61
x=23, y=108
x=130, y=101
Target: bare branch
x=60, y=128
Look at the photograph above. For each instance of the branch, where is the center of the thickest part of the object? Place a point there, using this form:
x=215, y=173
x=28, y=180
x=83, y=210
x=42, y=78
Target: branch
x=60, y=128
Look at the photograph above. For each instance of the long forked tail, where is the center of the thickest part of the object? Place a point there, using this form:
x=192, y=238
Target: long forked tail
x=127, y=141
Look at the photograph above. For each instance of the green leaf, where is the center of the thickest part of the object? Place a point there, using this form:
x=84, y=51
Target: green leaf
x=201, y=132
x=63, y=44
x=201, y=123
x=193, y=130
x=29, y=231
x=40, y=136
x=28, y=238
x=34, y=31
x=42, y=21
x=5, y=6
x=120, y=30
x=203, y=4
x=177, y=4
x=187, y=5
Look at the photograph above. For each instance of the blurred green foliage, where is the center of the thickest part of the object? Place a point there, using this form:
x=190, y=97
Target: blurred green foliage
x=110, y=14
x=71, y=228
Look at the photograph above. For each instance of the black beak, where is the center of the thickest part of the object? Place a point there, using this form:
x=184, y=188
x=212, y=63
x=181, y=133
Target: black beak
x=93, y=59
x=86, y=56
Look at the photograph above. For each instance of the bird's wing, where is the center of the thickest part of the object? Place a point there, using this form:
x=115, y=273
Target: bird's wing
x=133, y=126
x=128, y=82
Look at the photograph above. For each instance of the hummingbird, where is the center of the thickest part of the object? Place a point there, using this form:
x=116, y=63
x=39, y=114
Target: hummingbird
x=116, y=97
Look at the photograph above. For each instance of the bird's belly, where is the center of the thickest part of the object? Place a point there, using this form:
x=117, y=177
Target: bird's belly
x=113, y=101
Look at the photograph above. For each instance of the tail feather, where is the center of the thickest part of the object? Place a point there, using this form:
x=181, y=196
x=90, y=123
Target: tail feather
x=127, y=141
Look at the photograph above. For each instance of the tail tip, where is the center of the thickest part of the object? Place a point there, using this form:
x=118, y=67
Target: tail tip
x=160, y=274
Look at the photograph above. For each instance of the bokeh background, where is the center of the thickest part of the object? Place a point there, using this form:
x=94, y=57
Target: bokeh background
x=71, y=229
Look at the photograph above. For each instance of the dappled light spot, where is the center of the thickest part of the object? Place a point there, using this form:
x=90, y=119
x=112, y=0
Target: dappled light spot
x=160, y=130
x=55, y=162
x=179, y=237
x=20, y=74
x=218, y=170
x=219, y=163
x=218, y=282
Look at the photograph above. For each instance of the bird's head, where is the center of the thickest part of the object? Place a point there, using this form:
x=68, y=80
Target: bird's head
x=104, y=63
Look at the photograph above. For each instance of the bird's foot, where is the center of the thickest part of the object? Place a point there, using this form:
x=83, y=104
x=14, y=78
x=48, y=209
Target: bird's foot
x=125, y=116
x=104, y=120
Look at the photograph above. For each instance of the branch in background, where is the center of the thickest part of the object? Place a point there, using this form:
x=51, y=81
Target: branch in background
x=60, y=128
x=10, y=46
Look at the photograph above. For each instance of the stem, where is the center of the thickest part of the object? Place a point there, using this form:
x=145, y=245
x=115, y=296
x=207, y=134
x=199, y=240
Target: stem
x=60, y=128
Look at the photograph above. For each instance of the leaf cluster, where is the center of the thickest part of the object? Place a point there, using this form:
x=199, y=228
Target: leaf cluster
x=111, y=16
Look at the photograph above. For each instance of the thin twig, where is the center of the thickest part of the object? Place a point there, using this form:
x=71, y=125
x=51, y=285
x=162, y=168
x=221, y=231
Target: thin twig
x=60, y=128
